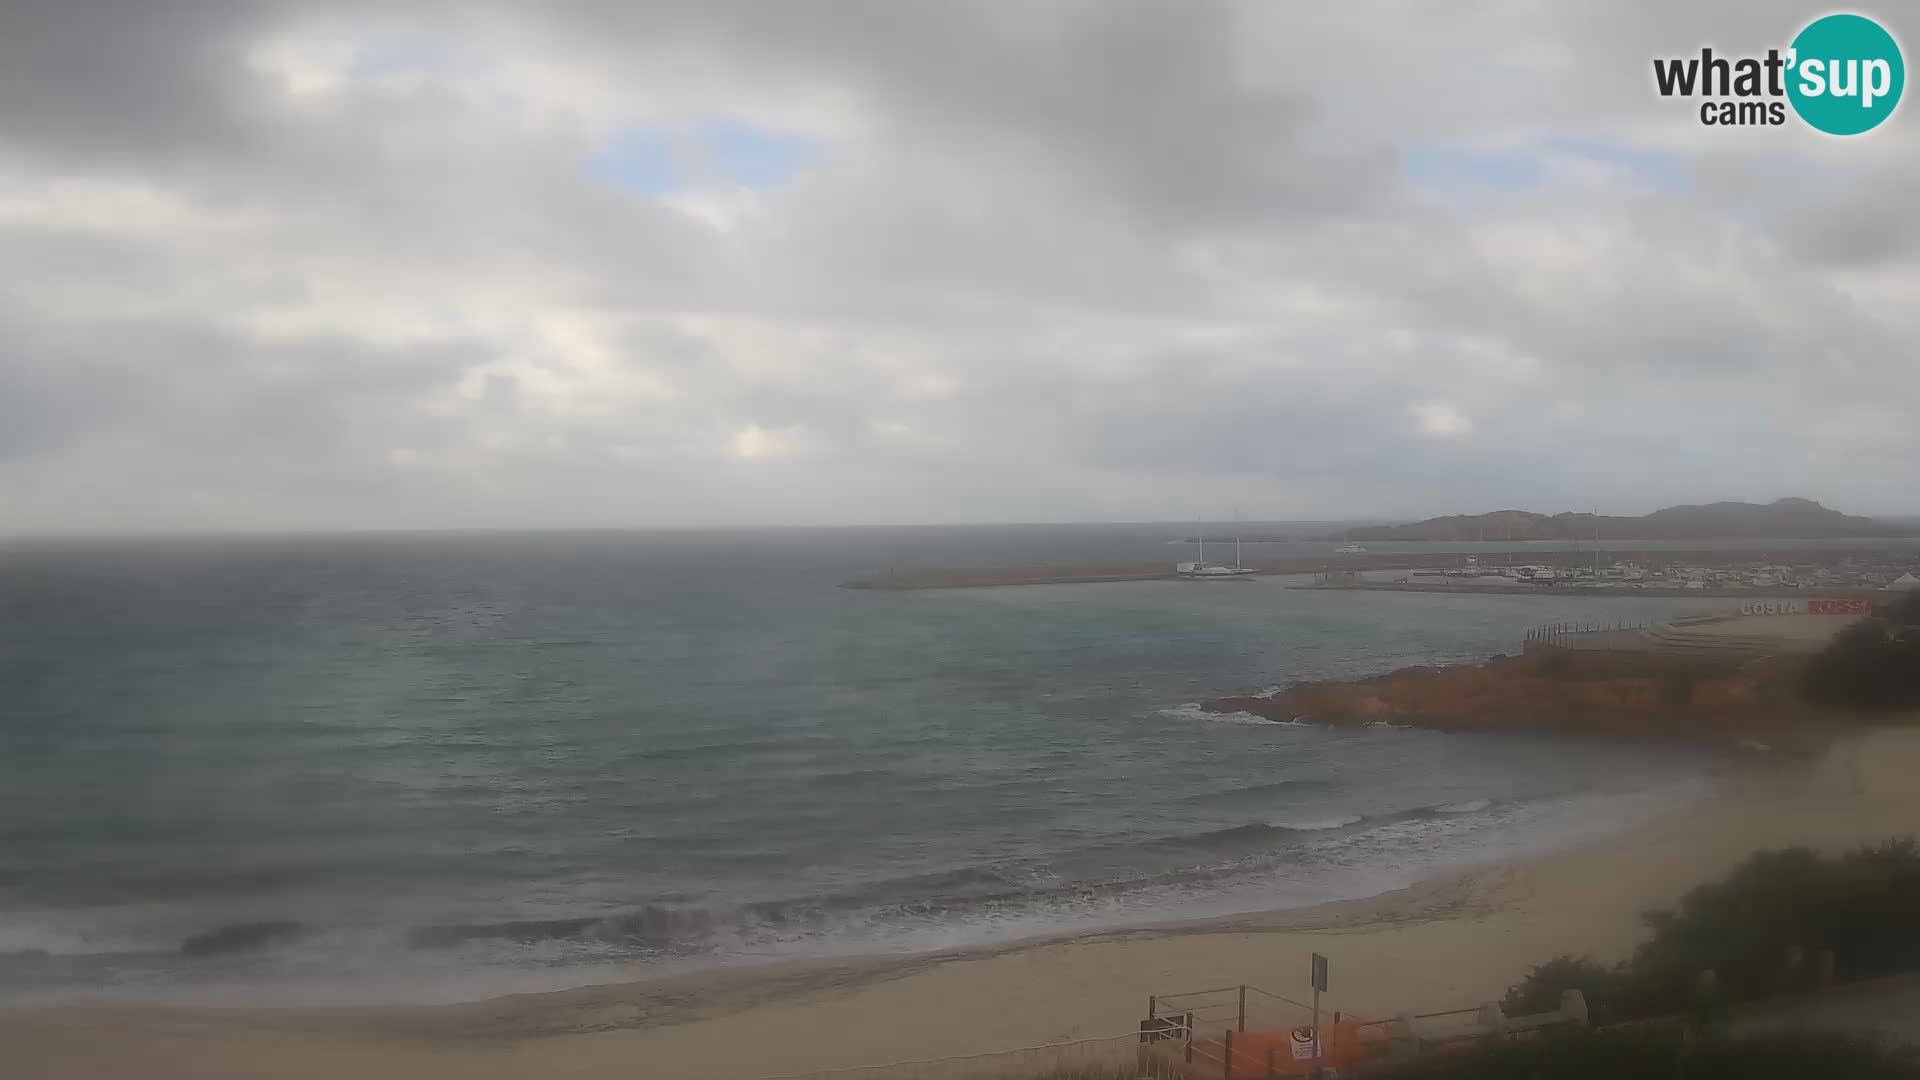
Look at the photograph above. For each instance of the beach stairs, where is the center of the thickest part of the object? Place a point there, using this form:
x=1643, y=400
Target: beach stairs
x=1256, y=1043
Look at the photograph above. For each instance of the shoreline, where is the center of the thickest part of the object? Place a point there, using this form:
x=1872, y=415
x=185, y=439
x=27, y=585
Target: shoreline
x=1449, y=941
x=979, y=577
x=1604, y=593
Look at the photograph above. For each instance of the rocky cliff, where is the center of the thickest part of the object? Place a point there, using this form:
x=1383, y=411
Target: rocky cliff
x=1561, y=691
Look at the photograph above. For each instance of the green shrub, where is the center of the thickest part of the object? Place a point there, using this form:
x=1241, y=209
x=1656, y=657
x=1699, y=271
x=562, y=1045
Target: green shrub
x=1760, y=932
x=1613, y=994
x=1873, y=664
x=1760, y=929
x=1903, y=610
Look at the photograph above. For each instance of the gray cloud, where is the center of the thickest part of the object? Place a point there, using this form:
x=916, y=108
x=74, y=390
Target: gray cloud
x=120, y=81
x=315, y=266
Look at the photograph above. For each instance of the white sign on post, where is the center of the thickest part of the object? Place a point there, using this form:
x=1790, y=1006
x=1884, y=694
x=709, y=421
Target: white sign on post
x=1319, y=987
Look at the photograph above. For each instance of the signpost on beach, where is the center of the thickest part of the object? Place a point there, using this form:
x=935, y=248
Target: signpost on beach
x=1319, y=987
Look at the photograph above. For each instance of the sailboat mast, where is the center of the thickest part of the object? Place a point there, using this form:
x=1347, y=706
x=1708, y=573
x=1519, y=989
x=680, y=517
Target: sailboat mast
x=1236, y=538
x=1596, y=543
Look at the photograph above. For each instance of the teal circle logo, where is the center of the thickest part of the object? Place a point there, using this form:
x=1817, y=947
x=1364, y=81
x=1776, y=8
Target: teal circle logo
x=1846, y=74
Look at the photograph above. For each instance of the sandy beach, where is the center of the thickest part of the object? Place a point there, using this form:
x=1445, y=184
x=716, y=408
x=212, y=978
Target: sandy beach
x=1448, y=942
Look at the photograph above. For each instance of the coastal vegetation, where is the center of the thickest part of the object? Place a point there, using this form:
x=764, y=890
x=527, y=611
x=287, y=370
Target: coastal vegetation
x=1873, y=664
x=1783, y=920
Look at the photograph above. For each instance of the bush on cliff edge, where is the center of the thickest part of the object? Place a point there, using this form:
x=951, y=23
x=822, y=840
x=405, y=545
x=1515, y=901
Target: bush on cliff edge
x=1758, y=931
x=1873, y=664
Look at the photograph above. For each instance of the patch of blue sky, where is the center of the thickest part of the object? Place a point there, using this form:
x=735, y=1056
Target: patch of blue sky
x=638, y=160
x=1661, y=170
x=1465, y=168
x=1457, y=168
x=661, y=160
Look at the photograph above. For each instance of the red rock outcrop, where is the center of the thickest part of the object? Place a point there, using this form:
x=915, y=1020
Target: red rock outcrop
x=1559, y=690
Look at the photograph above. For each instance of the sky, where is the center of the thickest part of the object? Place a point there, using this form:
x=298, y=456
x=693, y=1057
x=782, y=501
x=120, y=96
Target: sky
x=310, y=266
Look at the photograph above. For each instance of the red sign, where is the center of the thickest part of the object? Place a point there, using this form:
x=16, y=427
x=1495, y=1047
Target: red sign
x=1836, y=606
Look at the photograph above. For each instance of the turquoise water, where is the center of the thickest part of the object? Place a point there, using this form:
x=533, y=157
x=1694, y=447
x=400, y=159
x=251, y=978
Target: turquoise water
x=440, y=767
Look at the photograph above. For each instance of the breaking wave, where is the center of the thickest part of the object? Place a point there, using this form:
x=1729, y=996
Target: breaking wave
x=1193, y=710
x=1101, y=873
x=1318, y=826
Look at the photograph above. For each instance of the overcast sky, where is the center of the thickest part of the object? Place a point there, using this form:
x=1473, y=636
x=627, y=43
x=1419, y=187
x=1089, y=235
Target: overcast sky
x=299, y=266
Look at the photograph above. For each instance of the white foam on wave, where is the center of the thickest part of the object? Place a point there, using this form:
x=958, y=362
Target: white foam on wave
x=1193, y=710
x=1320, y=825
x=41, y=939
x=1339, y=857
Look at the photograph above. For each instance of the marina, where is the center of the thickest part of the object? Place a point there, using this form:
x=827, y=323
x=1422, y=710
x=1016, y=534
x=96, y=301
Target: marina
x=1702, y=572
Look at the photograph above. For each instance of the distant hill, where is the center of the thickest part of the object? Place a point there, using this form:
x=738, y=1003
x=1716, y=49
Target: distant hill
x=1784, y=519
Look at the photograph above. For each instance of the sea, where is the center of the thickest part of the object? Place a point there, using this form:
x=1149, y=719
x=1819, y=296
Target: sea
x=440, y=767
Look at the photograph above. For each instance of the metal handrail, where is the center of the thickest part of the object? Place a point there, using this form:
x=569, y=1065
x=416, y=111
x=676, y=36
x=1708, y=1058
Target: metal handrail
x=1164, y=998
x=1449, y=1012
x=1279, y=997
x=1203, y=993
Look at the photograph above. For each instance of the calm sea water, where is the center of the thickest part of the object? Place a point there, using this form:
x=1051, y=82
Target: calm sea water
x=440, y=767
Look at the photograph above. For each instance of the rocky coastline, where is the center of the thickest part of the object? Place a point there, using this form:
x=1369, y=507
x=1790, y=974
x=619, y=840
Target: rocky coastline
x=1565, y=691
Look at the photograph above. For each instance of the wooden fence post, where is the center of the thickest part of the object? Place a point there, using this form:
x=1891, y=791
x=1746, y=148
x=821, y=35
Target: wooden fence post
x=1242, y=1023
x=1226, y=1059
